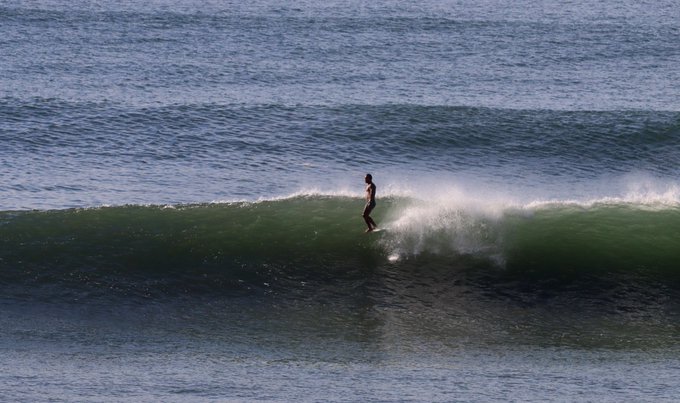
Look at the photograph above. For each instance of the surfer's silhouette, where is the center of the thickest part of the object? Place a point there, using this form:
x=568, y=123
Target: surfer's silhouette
x=370, y=203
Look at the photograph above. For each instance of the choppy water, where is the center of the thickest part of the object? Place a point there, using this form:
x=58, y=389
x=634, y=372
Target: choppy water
x=182, y=182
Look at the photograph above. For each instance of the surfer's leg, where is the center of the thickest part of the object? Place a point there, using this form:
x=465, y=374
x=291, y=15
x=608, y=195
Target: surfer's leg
x=372, y=222
x=370, y=208
x=369, y=221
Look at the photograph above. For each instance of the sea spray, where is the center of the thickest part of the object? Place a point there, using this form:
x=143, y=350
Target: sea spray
x=442, y=229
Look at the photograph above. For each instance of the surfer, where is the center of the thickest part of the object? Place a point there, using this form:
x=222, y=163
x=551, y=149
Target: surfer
x=370, y=203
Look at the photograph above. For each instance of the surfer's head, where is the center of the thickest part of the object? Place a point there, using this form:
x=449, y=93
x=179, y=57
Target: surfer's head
x=368, y=178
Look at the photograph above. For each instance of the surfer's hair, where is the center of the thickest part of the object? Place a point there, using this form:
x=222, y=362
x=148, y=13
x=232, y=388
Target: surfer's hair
x=369, y=176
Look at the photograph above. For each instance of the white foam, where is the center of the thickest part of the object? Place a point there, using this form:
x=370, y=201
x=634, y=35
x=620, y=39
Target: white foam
x=460, y=218
x=633, y=191
x=475, y=196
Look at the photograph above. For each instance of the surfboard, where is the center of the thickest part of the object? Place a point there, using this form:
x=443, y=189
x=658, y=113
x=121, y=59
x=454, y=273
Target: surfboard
x=378, y=230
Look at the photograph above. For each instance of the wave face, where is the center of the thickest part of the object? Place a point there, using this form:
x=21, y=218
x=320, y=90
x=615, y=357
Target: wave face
x=248, y=247
x=177, y=248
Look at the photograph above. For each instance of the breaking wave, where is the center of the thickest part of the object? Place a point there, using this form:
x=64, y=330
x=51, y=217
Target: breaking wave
x=189, y=248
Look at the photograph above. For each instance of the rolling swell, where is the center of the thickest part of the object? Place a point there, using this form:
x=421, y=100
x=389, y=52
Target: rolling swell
x=94, y=153
x=246, y=247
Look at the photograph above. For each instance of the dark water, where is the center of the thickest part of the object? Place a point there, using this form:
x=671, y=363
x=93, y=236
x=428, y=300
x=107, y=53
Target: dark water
x=182, y=183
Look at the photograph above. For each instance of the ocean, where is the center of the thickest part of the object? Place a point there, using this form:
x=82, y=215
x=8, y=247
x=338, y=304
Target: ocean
x=183, y=181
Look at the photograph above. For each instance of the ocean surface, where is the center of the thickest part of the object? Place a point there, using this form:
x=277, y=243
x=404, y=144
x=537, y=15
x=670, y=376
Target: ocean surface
x=182, y=184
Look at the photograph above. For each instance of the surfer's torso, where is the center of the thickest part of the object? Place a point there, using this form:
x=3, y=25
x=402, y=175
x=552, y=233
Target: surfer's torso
x=370, y=194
